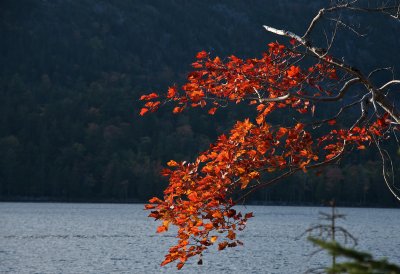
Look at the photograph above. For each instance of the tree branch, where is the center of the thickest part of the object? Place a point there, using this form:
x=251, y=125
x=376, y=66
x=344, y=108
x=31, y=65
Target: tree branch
x=395, y=9
x=384, y=154
x=393, y=82
x=290, y=172
x=320, y=54
x=341, y=94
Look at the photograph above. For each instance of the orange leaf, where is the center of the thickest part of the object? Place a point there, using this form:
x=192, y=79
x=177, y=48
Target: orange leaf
x=149, y=96
x=166, y=261
x=293, y=71
x=143, y=111
x=154, y=200
x=196, y=95
x=166, y=172
x=329, y=156
x=212, y=111
x=260, y=107
x=171, y=92
x=180, y=265
x=149, y=206
x=172, y=163
x=197, y=65
x=193, y=197
x=217, y=60
x=304, y=153
x=253, y=102
x=260, y=119
x=231, y=235
x=245, y=181
x=166, y=224
x=281, y=132
x=177, y=110
x=203, y=158
x=217, y=214
x=161, y=229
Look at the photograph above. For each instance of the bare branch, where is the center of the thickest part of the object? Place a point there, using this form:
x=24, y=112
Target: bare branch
x=313, y=23
x=341, y=94
x=378, y=70
x=339, y=22
x=317, y=124
x=364, y=112
x=290, y=172
x=393, y=82
x=277, y=99
x=384, y=154
x=392, y=11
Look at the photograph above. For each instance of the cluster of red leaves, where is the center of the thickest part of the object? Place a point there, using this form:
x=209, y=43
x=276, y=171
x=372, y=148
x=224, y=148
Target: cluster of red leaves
x=216, y=82
x=198, y=200
x=359, y=136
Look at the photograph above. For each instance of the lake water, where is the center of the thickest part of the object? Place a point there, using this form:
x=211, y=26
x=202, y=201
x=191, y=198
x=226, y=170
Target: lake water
x=119, y=238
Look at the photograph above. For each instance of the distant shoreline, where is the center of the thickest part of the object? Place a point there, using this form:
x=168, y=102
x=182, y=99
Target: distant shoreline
x=137, y=201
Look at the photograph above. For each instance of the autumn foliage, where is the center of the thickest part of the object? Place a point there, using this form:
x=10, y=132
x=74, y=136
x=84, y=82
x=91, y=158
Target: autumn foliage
x=199, y=199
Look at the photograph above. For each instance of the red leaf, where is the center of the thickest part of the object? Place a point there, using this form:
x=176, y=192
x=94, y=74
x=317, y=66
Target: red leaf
x=180, y=265
x=293, y=71
x=221, y=246
x=149, y=96
x=149, y=206
x=177, y=110
x=197, y=65
x=332, y=122
x=161, y=229
x=166, y=172
x=329, y=156
x=231, y=235
x=260, y=119
x=171, y=92
x=260, y=107
x=212, y=111
x=193, y=197
x=201, y=55
x=154, y=200
x=143, y=111
x=281, y=132
x=213, y=239
x=172, y=163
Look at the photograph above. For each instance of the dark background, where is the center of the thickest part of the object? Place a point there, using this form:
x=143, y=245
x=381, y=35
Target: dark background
x=71, y=73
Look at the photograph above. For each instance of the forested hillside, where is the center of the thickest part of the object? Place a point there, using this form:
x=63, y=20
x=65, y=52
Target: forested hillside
x=71, y=73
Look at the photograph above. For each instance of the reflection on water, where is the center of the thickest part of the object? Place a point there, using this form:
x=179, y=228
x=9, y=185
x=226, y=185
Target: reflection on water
x=111, y=238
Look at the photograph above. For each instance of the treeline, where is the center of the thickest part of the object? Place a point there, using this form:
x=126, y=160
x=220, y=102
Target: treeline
x=71, y=73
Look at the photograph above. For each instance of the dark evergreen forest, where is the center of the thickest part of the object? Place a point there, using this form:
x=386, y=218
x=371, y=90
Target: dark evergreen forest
x=71, y=73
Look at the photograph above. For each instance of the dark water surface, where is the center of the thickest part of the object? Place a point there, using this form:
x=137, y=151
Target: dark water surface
x=119, y=238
